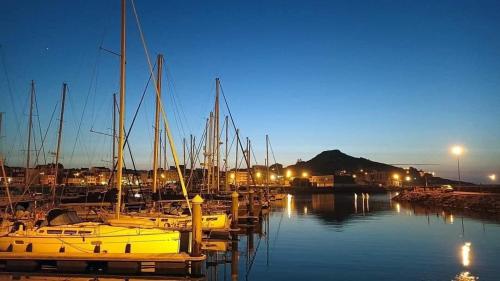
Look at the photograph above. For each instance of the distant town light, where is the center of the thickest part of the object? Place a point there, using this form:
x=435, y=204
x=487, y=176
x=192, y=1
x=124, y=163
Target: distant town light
x=395, y=176
x=408, y=178
x=305, y=174
x=457, y=150
x=273, y=177
x=288, y=173
x=492, y=177
x=232, y=176
x=258, y=174
x=162, y=175
x=354, y=176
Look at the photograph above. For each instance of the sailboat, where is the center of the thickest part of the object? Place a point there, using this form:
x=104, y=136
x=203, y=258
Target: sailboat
x=215, y=221
x=63, y=236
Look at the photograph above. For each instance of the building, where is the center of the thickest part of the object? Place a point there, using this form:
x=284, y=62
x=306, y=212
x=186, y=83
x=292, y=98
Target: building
x=322, y=181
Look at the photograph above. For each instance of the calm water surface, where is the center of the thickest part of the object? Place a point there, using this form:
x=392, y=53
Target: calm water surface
x=335, y=237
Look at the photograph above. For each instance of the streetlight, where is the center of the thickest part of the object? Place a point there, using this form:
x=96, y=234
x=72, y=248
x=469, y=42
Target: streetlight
x=304, y=174
x=458, y=150
x=288, y=173
x=492, y=177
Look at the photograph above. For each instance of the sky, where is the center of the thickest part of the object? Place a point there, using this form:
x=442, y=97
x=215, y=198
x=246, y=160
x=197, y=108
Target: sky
x=397, y=82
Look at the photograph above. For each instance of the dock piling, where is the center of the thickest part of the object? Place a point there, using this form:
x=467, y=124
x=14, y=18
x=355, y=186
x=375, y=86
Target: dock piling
x=197, y=231
x=250, y=202
x=234, y=208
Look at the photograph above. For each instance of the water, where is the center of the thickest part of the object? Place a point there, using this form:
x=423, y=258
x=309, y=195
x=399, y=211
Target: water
x=330, y=237
x=335, y=237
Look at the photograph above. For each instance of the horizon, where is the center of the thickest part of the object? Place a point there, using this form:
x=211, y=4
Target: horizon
x=315, y=77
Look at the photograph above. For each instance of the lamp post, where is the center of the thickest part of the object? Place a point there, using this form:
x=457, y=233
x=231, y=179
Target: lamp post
x=457, y=150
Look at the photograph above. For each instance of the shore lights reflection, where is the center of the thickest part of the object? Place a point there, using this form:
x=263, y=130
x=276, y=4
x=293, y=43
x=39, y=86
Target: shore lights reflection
x=289, y=205
x=466, y=254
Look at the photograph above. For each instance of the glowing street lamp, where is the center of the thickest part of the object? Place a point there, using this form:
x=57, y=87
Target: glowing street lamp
x=288, y=173
x=304, y=174
x=258, y=175
x=395, y=176
x=492, y=177
x=458, y=150
x=407, y=178
x=273, y=177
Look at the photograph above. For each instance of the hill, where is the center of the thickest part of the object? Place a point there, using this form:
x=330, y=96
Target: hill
x=331, y=161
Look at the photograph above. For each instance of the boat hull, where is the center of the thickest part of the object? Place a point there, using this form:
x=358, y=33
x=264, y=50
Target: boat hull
x=91, y=238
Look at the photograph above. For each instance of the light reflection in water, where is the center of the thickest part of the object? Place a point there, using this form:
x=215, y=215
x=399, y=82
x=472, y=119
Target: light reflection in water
x=398, y=208
x=305, y=210
x=465, y=276
x=451, y=219
x=466, y=254
x=289, y=205
x=363, y=202
x=355, y=203
x=368, y=202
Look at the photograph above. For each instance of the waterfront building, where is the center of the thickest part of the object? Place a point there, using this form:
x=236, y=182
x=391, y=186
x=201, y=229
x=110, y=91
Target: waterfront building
x=322, y=181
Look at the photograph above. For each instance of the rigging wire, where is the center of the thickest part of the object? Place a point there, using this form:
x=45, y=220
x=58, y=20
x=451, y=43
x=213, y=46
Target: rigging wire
x=11, y=96
x=235, y=128
x=133, y=119
x=174, y=93
x=171, y=140
x=93, y=75
x=40, y=128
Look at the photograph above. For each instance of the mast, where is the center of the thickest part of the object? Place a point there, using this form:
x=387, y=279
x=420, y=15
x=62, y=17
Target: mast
x=184, y=157
x=205, y=155
x=247, y=158
x=217, y=131
x=226, y=182
x=114, y=141
x=157, y=123
x=30, y=124
x=58, y=149
x=165, y=146
x=210, y=153
x=121, y=122
x=191, y=160
x=237, y=160
x=267, y=163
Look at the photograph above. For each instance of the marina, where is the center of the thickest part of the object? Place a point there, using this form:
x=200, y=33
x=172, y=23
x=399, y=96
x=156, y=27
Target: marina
x=350, y=235
x=321, y=140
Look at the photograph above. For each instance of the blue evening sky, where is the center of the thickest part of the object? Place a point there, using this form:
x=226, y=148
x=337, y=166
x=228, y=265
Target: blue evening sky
x=392, y=81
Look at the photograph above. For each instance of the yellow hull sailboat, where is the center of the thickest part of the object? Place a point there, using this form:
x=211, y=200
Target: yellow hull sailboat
x=63, y=232
x=209, y=222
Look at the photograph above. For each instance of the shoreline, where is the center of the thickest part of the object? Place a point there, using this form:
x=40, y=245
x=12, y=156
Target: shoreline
x=485, y=203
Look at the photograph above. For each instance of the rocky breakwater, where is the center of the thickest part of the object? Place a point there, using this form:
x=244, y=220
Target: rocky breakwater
x=475, y=202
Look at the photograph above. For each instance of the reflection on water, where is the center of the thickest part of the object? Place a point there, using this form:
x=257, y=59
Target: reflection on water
x=289, y=205
x=465, y=276
x=466, y=254
x=321, y=236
